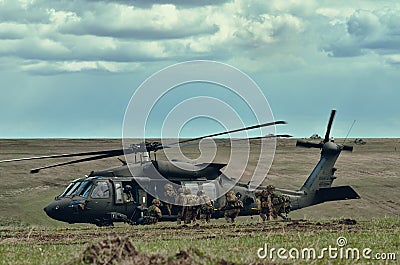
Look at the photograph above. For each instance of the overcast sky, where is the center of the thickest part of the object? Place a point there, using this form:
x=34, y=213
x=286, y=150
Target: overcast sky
x=69, y=68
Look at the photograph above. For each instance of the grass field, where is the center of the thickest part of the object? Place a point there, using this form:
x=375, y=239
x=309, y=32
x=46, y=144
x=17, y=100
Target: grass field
x=207, y=244
x=28, y=236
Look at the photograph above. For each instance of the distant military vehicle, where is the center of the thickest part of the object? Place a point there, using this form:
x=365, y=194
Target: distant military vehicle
x=359, y=141
x=315, y=137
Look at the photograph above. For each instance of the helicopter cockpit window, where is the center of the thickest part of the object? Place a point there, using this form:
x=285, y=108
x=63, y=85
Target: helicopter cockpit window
x=68, y=189
x=100, y=190
x=118, y=193
x=84, y=189
x=71, y=189
x=129, y=194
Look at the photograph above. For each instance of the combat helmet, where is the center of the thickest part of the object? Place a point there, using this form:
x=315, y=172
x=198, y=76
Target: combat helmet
x=168, y=186
x=187, y=191
x=156, y=202
x=230, y=193
x=270, y=188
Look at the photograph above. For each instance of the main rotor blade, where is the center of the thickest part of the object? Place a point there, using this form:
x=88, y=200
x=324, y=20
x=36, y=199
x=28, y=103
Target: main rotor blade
x=36, y=170
x=115, y=152
x=272, y=136
x=232, y=131
x=243, y=139
x=328, y=129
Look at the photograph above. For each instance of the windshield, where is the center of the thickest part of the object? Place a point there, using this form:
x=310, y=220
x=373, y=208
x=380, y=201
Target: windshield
x=79, y=188
x=84, y=188
x=71, y=187
x=66, y=190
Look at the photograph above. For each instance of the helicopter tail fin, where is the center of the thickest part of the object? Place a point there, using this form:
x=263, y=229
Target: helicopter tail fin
x=322, y=176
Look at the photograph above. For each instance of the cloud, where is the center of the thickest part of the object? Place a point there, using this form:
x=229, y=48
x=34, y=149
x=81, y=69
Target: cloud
x=367, y=31
x=24, y=12
x=12, y=30
x=159, y=22
x=53, y=68
x=255, y=34
x=178, y=3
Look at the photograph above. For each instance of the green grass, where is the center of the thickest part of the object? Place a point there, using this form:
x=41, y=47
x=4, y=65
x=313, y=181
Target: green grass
x=20, y=244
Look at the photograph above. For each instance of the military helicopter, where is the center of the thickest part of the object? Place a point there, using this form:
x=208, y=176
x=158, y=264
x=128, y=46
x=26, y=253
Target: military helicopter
x=122, y=194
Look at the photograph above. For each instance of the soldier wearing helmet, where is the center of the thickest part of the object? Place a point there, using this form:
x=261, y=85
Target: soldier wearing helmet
x=232, y=206
x=170, y=195
x=180, y=201
x=276, y=202
x=270, y=188
x=191, y=207
x=206, y=206
x=153, y=214
x=262, y=203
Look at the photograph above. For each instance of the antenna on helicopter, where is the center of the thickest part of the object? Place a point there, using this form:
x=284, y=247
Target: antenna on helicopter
x=351, y=127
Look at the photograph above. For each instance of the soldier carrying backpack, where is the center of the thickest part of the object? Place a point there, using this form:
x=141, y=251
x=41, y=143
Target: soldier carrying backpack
x=277, y=202
x=232, y=206
x=262, y=203
x=153, y=214
x=206, y=206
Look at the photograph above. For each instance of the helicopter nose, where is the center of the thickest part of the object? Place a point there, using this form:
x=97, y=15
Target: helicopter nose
x=52, y=210
x=56, y=210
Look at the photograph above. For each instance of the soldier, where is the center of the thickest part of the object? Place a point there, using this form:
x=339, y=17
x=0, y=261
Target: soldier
x=180, y=201
x=232, y=206
x=153, y=214
x=287, y=207
x=191, y=202
x=206, y=206
x=170, y=195
x=262, y=203
x=128, y=196
x=276, y=203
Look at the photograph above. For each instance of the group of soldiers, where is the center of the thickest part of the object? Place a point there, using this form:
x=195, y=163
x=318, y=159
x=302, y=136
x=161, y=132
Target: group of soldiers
x=271, y=204
x=190, y=206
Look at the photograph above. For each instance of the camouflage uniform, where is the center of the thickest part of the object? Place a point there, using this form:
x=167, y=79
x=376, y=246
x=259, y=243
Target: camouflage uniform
x=170, y=195
x=153, y=213
x=191, y=202
x=262, y=203
x=276, y=203
x=180, y=201
x=206, y=206
x=232, y=206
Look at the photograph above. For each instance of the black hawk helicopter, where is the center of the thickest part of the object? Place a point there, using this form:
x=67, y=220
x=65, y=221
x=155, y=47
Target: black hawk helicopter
x=122, y=194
